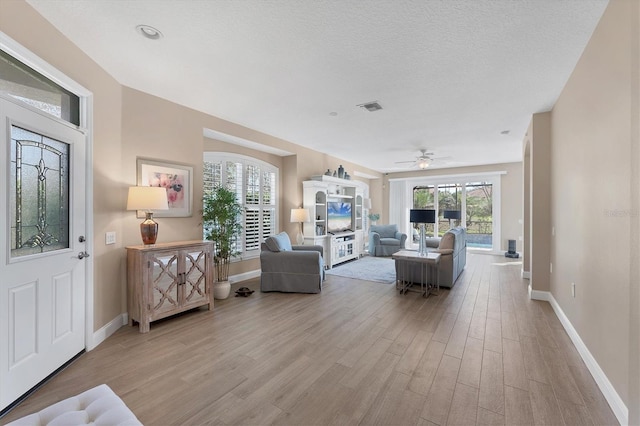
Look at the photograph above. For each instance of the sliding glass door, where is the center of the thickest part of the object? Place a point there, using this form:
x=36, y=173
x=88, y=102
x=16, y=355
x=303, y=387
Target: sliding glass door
x=475, y=202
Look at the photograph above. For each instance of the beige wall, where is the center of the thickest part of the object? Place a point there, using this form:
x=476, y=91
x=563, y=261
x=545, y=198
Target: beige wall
x=19, y=21
x=539, y=142
x=130, y=124
x=511, y=195
x=594, y=198
x=526, y=206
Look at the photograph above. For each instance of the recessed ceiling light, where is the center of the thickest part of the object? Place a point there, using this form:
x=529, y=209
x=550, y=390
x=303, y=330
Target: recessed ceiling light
x=149, y=32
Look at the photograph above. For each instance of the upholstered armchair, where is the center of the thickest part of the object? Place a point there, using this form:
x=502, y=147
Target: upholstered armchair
x=384, y=240
x=292, y=269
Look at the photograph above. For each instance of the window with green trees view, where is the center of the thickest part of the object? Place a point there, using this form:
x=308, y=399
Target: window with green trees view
x=473, y=199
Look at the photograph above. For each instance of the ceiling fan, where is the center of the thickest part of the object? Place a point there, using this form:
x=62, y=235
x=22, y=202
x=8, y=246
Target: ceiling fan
x=422, y=161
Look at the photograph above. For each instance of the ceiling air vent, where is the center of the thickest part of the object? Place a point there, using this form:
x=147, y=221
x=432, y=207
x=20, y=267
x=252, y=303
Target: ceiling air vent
x=371, y=106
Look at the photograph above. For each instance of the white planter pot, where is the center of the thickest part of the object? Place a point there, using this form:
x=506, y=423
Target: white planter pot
x=221, y=289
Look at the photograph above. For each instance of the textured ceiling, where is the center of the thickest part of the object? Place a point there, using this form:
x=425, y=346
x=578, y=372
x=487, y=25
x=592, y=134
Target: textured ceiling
x=450, y=75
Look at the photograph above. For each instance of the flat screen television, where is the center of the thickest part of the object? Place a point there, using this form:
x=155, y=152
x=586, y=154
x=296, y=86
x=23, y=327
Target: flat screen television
x=338, y=217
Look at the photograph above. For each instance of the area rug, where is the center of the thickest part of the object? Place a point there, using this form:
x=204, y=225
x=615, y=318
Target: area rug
x=368, y=268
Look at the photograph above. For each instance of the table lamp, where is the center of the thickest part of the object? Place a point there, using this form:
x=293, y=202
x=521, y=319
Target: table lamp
x=452, y=215
x=422, y=216
x=148, y=198
x=300, y=215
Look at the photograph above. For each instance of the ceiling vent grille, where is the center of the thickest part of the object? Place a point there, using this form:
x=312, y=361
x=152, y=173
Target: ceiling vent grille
x=371, y=106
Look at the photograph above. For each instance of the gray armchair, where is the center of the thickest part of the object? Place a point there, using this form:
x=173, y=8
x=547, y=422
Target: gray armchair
x=292, y=269
x=384, y=240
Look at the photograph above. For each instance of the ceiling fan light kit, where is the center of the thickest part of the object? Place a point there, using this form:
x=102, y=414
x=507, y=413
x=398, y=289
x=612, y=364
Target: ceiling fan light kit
x=423, y=161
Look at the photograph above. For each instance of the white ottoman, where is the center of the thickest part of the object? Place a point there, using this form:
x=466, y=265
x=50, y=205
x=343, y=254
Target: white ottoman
x=97, y=406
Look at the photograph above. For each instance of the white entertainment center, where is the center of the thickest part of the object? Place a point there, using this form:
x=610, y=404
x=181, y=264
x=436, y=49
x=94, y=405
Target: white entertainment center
x=337, y=215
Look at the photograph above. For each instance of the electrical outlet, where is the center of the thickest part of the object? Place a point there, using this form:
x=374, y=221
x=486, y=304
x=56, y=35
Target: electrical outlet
x=110, y=238
x=573, y=289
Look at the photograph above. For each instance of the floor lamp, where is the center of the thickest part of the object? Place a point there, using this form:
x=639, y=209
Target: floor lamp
x=422, y=216
x=300, y=215
x=452, y=215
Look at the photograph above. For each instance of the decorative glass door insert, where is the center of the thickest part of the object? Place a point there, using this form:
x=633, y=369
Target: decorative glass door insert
x=39, y=193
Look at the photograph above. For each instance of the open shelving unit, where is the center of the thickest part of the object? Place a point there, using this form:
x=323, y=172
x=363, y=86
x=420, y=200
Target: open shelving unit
x=318, y=193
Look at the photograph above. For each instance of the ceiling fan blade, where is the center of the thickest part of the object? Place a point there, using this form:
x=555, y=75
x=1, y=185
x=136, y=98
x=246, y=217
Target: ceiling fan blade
x=400, y=162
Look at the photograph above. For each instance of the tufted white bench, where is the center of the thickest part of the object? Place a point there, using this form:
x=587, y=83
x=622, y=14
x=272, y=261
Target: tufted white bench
x=96, y=406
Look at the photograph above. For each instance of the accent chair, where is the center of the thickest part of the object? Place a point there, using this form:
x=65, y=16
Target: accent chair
x=384, y=240
x=291, y=269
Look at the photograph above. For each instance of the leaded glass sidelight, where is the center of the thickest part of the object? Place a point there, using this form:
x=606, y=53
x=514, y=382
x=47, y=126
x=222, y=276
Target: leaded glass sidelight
x=38, y=193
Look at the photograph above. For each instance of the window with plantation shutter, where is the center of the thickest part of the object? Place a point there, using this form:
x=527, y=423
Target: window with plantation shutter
x=254, y=183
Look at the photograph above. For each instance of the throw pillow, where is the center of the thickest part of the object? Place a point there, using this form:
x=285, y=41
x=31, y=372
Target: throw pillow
x=447, y=241
x=278, y=242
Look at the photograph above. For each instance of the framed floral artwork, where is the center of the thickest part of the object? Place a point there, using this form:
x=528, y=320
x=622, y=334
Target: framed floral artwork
x=176, y=178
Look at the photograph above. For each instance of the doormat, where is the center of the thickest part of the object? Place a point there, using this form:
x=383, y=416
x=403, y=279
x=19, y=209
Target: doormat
x=368, y=268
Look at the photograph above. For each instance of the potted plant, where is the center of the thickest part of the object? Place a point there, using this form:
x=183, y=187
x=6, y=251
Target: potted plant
x=221, y=220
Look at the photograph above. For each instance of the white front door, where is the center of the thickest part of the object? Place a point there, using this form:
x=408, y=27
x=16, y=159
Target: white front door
x=42, y=228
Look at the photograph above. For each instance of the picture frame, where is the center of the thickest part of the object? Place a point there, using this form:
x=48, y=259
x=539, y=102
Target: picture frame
x=176, y=177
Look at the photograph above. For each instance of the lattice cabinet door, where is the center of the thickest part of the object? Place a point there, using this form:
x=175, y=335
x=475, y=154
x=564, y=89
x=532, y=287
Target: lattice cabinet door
x=165, y=282
x=165, y=279
x=194, y=289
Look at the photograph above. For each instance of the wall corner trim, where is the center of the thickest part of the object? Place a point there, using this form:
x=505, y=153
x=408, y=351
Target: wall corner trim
x=539, y=295
x=617, y=405
x=107, y=330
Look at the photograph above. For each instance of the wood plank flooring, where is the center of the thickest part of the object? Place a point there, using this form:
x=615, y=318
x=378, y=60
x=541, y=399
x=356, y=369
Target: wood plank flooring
x=358, y=353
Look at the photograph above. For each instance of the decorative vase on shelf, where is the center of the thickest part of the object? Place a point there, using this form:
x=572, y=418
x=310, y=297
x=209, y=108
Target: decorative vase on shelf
x=341, y=172
x=335, y=174
x=328, y=172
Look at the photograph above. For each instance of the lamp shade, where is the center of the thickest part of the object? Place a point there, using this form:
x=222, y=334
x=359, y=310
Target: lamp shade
x=299, y=215
x=147, y=198
x=366, y=203
x=422, y=216
x=452, y=214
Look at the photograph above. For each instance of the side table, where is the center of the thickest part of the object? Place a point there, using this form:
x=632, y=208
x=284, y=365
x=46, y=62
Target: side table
x=406, y=259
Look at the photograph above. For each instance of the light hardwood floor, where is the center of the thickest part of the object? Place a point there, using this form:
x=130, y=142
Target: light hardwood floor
x=358, y=353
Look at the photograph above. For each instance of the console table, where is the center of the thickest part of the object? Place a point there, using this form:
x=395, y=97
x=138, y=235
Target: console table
x=165, y=279
x=427, y=264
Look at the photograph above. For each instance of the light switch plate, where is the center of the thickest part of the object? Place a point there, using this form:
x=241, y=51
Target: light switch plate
x=110, y=238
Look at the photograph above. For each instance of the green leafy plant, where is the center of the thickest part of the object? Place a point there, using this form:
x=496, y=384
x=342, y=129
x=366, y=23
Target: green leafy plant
x=222, y=223
x=373, y=217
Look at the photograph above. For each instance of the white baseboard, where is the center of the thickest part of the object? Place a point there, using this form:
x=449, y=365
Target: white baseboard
x=244, y=276
x=617, y=405
x=525, y=274
x=107, y=330
x=539, y=295
x=112, y=326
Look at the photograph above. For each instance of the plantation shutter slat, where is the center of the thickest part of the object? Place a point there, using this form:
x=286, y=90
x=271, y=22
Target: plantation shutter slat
x=255, y=188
